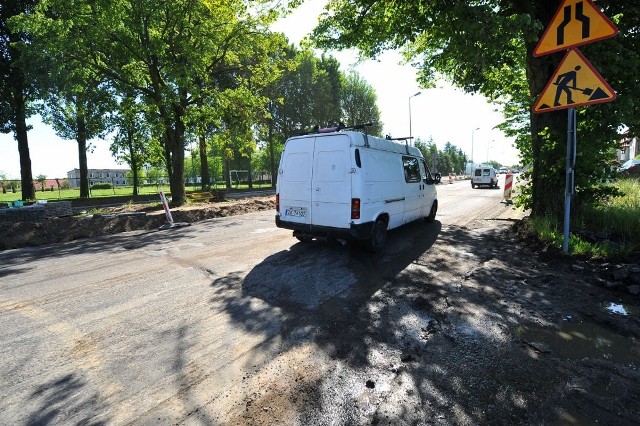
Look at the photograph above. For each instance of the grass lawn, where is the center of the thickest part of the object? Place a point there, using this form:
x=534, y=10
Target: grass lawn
x=68, y=194
x=615, y=218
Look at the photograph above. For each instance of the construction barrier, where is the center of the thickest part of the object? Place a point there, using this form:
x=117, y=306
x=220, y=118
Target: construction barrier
x=167, y=212
x=508, y=184
x=170, y=223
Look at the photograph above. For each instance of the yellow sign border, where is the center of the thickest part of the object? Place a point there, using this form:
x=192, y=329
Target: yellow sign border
x=550, y=27
x=596, y=74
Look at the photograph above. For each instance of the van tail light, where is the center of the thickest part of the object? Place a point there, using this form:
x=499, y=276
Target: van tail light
x=278, y=203
x=355, y=208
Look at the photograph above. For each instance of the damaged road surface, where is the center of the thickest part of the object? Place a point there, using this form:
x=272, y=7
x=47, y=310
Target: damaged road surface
x=233, y=321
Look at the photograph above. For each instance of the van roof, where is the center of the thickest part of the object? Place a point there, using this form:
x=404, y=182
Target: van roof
x=358, y=139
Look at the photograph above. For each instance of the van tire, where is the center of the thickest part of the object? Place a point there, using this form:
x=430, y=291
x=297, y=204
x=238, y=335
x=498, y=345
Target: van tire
x=378, y=238
x=432, y=213
x=473, y=185
x=303, y=238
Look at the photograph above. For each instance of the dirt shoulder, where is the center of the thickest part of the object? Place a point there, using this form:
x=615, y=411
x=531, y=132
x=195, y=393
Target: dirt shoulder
x=123, y=218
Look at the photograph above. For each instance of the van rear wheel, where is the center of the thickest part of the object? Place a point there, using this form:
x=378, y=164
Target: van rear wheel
x=303, y=238
x=432, y=213
x=378, y=238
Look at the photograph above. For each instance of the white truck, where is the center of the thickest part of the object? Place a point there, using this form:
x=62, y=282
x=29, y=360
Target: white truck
x=349, y=185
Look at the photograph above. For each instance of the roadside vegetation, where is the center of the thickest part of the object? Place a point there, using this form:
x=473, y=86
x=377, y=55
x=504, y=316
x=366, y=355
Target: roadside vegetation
x=217, y=83
x=609, y=228
x=121, y=191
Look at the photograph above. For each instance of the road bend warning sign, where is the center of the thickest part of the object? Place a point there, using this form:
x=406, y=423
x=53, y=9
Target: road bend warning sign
x=575, y=83
x=575, y=23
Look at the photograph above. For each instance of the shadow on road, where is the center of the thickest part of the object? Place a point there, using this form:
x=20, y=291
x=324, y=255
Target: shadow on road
x=312, y=282
x=437, y=328
x=61, y=397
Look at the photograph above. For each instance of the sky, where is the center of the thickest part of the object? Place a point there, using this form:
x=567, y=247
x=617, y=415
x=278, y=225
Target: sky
x=443, y=113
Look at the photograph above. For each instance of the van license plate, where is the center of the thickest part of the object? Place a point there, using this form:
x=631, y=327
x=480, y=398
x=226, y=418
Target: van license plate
x=295, y=212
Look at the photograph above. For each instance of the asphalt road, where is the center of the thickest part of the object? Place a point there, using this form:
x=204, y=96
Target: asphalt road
x=190, y=325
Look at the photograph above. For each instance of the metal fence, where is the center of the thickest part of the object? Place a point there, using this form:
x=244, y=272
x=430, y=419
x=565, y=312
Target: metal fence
x=102, y=186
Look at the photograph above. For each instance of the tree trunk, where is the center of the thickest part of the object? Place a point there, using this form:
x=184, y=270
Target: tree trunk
x=175, y=135
x=250, y=174
x=227, y=173
x=26, y=175
x=133, y=157
x=272, y=160
x=81, y=136
x=548, y=131
x=204, y=163
x=17, y=84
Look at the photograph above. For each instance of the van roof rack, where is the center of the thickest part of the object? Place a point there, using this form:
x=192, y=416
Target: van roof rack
x=389, y=138
x=405, y=139
x=339, y=127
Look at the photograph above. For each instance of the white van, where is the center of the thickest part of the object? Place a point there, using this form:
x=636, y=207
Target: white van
x=485, y=176
x=349, y=185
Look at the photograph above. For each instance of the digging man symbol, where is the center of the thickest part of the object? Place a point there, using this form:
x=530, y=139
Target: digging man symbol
x=566, y=82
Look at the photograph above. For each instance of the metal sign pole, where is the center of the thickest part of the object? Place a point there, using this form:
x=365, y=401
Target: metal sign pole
x=570, y=165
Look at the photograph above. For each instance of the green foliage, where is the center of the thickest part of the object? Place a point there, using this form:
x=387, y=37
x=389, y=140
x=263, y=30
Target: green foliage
x=449, y=160
x=359, y=103
x=613, y=219
x=494, y=164
x=18, y=89
x=101, y=186
x=179, y=56
x=487, y=47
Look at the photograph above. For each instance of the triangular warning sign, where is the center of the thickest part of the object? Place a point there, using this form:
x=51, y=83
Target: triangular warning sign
x=575, y=83
x=575, y=23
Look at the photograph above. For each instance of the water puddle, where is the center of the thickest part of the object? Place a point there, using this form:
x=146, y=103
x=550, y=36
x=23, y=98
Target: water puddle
x=623, y=309
x=614, y=308
x=578, y=340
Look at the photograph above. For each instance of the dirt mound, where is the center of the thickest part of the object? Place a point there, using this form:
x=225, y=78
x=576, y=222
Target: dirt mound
x=128, y=217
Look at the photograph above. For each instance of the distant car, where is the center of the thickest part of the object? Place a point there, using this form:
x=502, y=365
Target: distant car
x=629, y=164
x=514, y=171
x=630, y=167
x=503, y=170
x=485, y=176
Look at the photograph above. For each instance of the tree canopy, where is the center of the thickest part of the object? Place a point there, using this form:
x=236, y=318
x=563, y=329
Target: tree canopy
x=174, y=54
x=16, y=91
x=161, y=76
x=486, y=47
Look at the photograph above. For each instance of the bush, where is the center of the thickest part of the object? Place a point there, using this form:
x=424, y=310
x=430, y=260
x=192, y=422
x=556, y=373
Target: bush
x=101, y=186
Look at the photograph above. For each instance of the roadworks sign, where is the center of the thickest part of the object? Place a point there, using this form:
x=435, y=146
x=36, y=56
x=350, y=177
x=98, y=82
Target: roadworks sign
x=575, y=23
x=575, y=83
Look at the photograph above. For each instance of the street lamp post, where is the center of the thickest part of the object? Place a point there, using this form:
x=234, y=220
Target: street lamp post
x=418, y=93
x=472, y=132
x=489, y=145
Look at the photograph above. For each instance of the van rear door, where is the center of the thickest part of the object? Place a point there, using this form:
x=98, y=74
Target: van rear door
x=294, y=181
x=331, y=182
